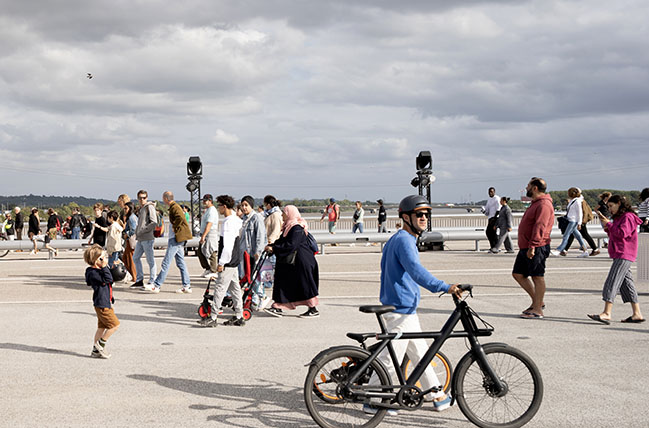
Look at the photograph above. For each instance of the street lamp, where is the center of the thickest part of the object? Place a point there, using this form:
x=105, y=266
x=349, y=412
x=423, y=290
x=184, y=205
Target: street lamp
x=194, y=174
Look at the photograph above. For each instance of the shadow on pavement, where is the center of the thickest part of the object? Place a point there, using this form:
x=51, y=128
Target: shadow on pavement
x=156, y=311
x=270, y=403
x=40, y=349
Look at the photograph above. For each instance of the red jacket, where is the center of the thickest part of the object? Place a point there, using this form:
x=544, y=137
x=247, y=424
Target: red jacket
x=536, y=224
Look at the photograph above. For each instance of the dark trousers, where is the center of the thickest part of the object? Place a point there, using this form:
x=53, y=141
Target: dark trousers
x=585, y=235
x=491, y=233
x=19, y=234
x=210, y=264
x=644, y=228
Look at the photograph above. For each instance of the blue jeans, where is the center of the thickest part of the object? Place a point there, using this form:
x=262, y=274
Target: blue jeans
x=174, y=250
x=111, y=259
x=357, y=226
x=146, y=248
x=571, y=229
x=76, y=233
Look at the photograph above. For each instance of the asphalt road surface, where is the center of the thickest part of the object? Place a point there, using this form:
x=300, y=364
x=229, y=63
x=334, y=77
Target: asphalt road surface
x=166, y=371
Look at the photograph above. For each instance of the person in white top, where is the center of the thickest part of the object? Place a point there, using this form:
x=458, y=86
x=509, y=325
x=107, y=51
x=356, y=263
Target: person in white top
x=208, y=244
x=491, y=209
x=227, y=279
x=359, y=218
x=575, y=214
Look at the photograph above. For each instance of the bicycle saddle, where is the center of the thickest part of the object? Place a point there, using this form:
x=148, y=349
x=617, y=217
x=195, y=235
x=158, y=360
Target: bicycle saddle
x=377, y=309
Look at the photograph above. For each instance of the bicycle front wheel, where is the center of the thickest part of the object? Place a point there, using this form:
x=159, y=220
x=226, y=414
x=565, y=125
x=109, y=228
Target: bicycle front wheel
x=324, y=396
x=477, y=399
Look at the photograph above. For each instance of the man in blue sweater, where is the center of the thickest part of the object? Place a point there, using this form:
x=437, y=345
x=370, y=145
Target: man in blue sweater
x=401, y=276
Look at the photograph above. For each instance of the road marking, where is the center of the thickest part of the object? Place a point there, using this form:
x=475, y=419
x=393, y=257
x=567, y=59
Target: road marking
x=476, y=271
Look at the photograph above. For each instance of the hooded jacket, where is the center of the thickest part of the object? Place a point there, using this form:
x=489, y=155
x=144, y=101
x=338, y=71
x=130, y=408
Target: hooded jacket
x=147, y=219
x=623, y=237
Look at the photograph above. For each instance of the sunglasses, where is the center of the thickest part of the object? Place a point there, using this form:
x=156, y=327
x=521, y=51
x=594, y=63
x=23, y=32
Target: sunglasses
x=421, y=214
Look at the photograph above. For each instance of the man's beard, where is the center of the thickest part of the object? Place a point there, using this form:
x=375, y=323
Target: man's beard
x=529, y=193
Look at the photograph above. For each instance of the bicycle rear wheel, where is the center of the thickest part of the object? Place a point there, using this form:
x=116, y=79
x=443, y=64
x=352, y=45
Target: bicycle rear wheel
x=475, y=393
x=440, y=365
x=324, y=396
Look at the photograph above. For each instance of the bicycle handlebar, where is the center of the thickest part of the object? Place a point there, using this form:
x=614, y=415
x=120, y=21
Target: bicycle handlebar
x=465, y=287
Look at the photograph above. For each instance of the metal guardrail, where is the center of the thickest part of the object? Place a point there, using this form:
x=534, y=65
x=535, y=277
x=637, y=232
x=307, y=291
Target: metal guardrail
x=440, y=235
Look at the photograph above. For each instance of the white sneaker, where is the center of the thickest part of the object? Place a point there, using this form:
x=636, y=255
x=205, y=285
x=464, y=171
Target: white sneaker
x=184, y=290
x=264, y=302
x=148, y=287
x=205, y=273
x=211, y=275
x=555, y=253
x=584, y=255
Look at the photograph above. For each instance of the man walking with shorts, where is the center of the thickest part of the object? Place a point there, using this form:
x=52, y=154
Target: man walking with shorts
x=534, y=246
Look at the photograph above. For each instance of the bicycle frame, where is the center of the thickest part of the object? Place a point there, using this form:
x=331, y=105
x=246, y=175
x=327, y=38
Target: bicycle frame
x=463, y=314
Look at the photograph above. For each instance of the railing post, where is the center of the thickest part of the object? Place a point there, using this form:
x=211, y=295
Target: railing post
x=477, y=245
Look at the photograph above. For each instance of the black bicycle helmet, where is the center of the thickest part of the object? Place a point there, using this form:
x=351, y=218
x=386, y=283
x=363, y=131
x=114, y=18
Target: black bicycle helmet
x=413, y=203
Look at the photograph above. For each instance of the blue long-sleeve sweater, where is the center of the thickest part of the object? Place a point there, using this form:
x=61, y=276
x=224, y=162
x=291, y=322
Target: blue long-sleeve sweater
x=402, y=273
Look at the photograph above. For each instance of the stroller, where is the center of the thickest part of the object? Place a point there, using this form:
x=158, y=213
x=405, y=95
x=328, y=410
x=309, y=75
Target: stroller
x=247, y=282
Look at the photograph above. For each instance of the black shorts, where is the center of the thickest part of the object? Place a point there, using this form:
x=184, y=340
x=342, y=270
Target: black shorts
x=534, y=266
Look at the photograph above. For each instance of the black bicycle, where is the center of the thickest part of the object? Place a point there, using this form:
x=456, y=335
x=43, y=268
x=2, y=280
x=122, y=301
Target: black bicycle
x=495, y=385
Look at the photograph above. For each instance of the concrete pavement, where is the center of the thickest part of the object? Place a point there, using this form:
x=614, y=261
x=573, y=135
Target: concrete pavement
x=167, y=371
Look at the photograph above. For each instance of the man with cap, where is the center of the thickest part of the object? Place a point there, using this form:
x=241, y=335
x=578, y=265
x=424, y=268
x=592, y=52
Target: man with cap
x=332, y=211
x=209, y=243
x=383, y=217
x=402, y=275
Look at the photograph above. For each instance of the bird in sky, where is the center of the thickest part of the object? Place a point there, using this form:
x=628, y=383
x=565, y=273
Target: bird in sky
x=89, y=76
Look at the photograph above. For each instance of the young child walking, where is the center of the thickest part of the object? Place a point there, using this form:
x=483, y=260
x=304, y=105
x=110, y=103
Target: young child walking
x=99, y=278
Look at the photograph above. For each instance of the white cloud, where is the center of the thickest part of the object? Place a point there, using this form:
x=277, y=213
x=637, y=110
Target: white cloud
x=222, y=137
x=496, y=90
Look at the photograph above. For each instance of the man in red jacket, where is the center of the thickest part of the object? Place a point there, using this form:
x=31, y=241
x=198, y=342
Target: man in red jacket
x=534, y=246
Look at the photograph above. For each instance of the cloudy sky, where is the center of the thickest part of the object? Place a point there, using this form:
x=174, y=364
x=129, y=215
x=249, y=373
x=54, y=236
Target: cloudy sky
x=319, y=98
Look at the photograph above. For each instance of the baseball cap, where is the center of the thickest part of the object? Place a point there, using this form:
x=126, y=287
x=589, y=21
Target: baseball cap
x=207, y=197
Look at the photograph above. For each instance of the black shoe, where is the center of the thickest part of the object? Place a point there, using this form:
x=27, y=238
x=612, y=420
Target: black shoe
x=311, y=313
x=139, y=284
x=274, y=312
x=239, y=322
x=207, y=322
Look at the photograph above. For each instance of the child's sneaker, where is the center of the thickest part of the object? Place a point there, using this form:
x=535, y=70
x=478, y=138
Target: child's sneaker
x=99, y=352
x=184, y=290
x=442, y=405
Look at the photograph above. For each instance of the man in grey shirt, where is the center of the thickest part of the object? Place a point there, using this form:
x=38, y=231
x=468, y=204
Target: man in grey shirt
x=147, y=219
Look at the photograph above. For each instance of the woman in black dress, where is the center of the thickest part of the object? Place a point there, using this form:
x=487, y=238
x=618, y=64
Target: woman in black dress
x=296, y=271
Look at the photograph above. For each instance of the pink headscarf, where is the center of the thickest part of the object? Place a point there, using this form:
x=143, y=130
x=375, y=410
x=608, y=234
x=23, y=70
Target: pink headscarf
x=292, y=218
